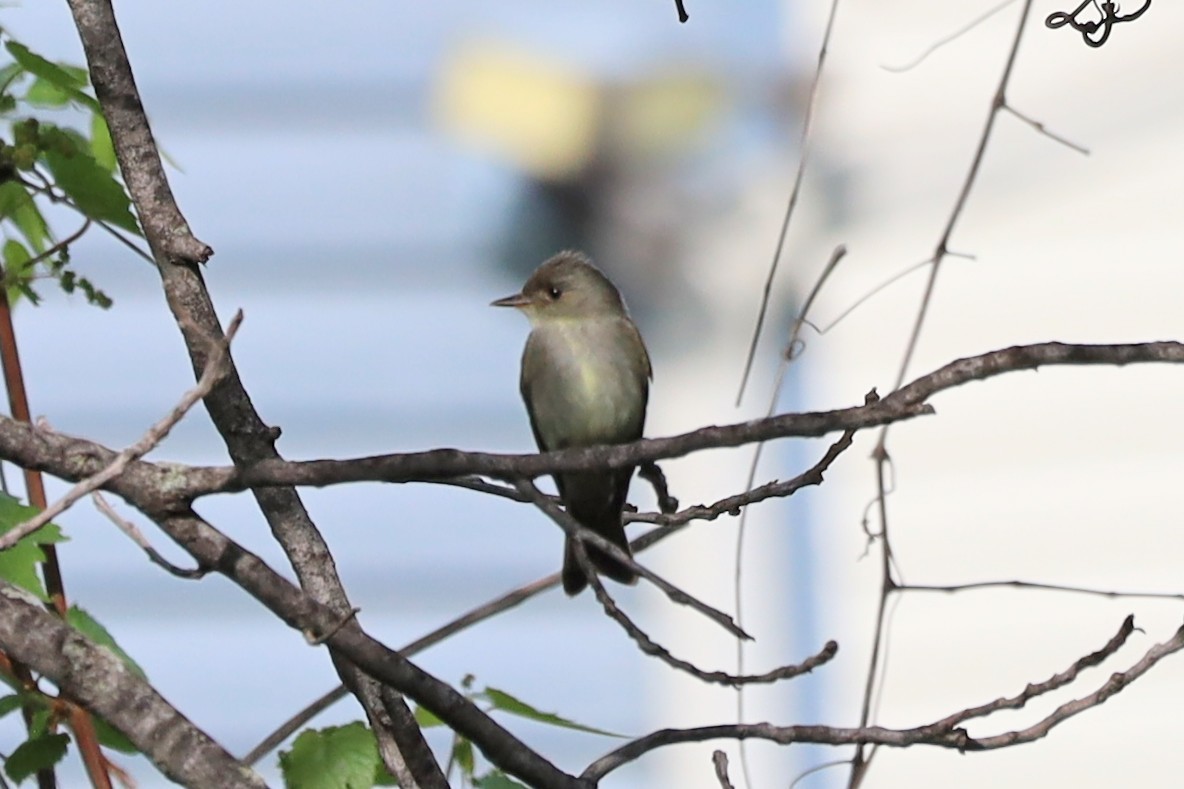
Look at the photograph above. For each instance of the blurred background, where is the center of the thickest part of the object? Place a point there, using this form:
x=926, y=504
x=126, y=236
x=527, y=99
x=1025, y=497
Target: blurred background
x=372, y=174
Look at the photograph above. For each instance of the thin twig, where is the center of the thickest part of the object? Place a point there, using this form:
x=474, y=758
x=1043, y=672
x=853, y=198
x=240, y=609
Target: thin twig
x=129, y=528
x=1085, y=590
x=59, y=246
x=941, y=42
x=783, y=234
x=215, y=369
x=672, y=525
x=1060, y=680
x=860, y=762
x=877, y=289
x=944, y=733
x=579, y=533
x=1042, y=129
x=649, y=647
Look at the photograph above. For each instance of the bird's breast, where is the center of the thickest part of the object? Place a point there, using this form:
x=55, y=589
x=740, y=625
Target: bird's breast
x=585, y=383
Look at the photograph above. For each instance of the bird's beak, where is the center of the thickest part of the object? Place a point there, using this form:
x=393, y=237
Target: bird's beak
x=517, y=300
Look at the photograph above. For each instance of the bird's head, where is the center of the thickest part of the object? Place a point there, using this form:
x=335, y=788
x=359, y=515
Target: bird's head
x=567, y=286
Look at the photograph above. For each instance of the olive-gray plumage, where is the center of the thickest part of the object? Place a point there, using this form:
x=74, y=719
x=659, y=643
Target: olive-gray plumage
x=585, y=381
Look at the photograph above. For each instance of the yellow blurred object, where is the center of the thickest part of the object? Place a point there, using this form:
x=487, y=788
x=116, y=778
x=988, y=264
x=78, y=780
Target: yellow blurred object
x=539, y=114
x=663, y=114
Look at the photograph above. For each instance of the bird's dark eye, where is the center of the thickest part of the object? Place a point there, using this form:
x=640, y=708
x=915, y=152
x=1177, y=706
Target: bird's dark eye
x=554, y=292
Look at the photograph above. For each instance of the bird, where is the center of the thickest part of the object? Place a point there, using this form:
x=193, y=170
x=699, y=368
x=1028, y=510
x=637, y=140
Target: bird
x=585, y=382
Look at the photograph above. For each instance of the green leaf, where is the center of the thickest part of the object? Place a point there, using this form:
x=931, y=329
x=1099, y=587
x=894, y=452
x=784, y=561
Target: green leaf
x=462, y=754
x=101, y=146
x=497, y=780
x=29, y=293
x=94, y=295
x=93, y=189
x=10, y=74
x=383, y=777
x=43, y=93
x=113, y=737
x=18, y=564
x=66, y=78
x=15, y=257
x=336, y=757
x=16, y=275
x=506, y=703
x=39, y=726
x=10, y=703
x=36, y=753
x=17, y=205
x=426, y=718
x=81, y=620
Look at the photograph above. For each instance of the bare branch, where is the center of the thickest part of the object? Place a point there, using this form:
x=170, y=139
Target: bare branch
x=908, y=401
x=1085, y=590
x=944, y=733
x=95, y=678
x=162, y=488
x=215, y=370
x=671, y=525
x=720, y=760
x=575, y=531
x=1052, y=683
x=129, y=528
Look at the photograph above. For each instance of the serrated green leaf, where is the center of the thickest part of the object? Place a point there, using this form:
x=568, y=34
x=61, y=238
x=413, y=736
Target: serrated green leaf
x=101, y=146
x=500, y=700
x=336, y=757
x=13, y=512
x=426, y=718
x=497, y=780
x=93, y=189
x=112, y=737
x=35, y=754
x=64, y=77
x=17, y=205
x=80, y=619
x=18, y=564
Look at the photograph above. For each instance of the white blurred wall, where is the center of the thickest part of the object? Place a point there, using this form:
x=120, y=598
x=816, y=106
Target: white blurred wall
x=1068, y=475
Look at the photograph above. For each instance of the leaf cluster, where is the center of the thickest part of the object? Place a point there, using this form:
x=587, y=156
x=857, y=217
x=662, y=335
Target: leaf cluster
x=45, y=744
x=337, y=757
x=57, y=151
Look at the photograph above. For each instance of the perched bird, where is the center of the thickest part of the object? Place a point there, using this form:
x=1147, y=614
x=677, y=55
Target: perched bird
x=585, y=381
